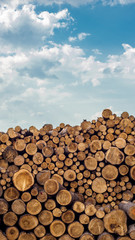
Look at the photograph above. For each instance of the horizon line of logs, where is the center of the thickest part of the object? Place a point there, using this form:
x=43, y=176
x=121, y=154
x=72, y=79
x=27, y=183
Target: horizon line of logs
x=69, y=182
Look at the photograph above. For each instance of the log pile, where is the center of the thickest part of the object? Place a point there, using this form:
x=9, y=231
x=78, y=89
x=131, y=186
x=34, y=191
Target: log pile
x=69, y=182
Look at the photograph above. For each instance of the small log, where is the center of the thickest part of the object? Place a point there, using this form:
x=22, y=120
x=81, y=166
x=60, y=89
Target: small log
x=70, y=175
x=9, y=154
x=2, y=236
x=96, y=226
x=105, y=236
x=68, y=216
x=99, y=185
x=43, y=176
x=90, y=210
x=23, y=180
x=40, y=231
x=27, y=236
x=116, y=222
x=28, y=222
x=18, y=207
x=10, y=219
x=114, y=156
x=75, y=229
x=26, y=197
x=51, y=187
x=84, y=219
x=87, y=236
x=129, y=208
x=3, y=206
x=19, y=160
x=20, y=145
x=57, y=228
x=38, y=158
x=50, y=204
x=34, y=207
x=110, y=172
x=129, y=150
x=95, y=146
x=78, y=207
x=45, y=217
x=131, y=231
x=42, y=196
x=11, y=194
x=47, y=151
x=132, y=172
x=90, y=163
x=106, y=113
x=66, y=237
x=64, y=197
x=12, y=233
x=58, y=178
x=31, y=149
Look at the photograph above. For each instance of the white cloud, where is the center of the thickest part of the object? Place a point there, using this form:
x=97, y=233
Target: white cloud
x=82, y=36
x=75, y=3
x=72, y=39
x=97, y=51
x=24, y=28
x=116, y=2
x=95, y=82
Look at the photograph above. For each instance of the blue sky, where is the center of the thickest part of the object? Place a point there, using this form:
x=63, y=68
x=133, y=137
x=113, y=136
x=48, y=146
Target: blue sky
x=65, y=61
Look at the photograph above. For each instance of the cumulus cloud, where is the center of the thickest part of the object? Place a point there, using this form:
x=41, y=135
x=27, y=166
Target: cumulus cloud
x=116, y=2
x=80, y=37
x=24, y=28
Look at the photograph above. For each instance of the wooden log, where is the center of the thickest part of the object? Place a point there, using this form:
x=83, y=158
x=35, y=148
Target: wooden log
x=50, y=204
x=26, y=197
x=2, y=236
x=12, y=233
x=106, y=113
x=23, y=180
x=120, y=143
x=114, y=156
x=87, y=236
x=64, y=197
x=18, y=207
x=27, y=236
x=34, y=207
x=19, y=160
x=57, y=228
x=90, y=163
x=47, y=151
x=110, y=172
x=38, y=158
x=129, y=150
x=11, y=194
x=31, y=149
x=20, y=145
x=132, y=172
x=40, y=231
x=9, y=154
x=90, y=210
x=68, y=216
x=58, y=178
x=3, y=206
x=66, y=237
x=131, y=231
x=84, y=219
x=99, y=185
x=78, y=207
x=45, y=217
x=105, y=236
x=28, y=222
x=95, y=146
x=43, y=176
x=10, y=219
x=116, y=222
x=96, y=226
x=75, y=229
x=70, y=175
x=51, y=187
x=42, y=196
x=129, y=208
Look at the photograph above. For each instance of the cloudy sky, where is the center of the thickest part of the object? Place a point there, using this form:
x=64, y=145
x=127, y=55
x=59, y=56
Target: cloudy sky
x=65, y=60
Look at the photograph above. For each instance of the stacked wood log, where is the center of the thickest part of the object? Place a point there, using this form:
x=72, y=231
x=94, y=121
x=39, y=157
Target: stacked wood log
x=69, y=182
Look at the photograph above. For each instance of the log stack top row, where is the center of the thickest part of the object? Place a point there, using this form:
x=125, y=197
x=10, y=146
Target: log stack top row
x=69, y=182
